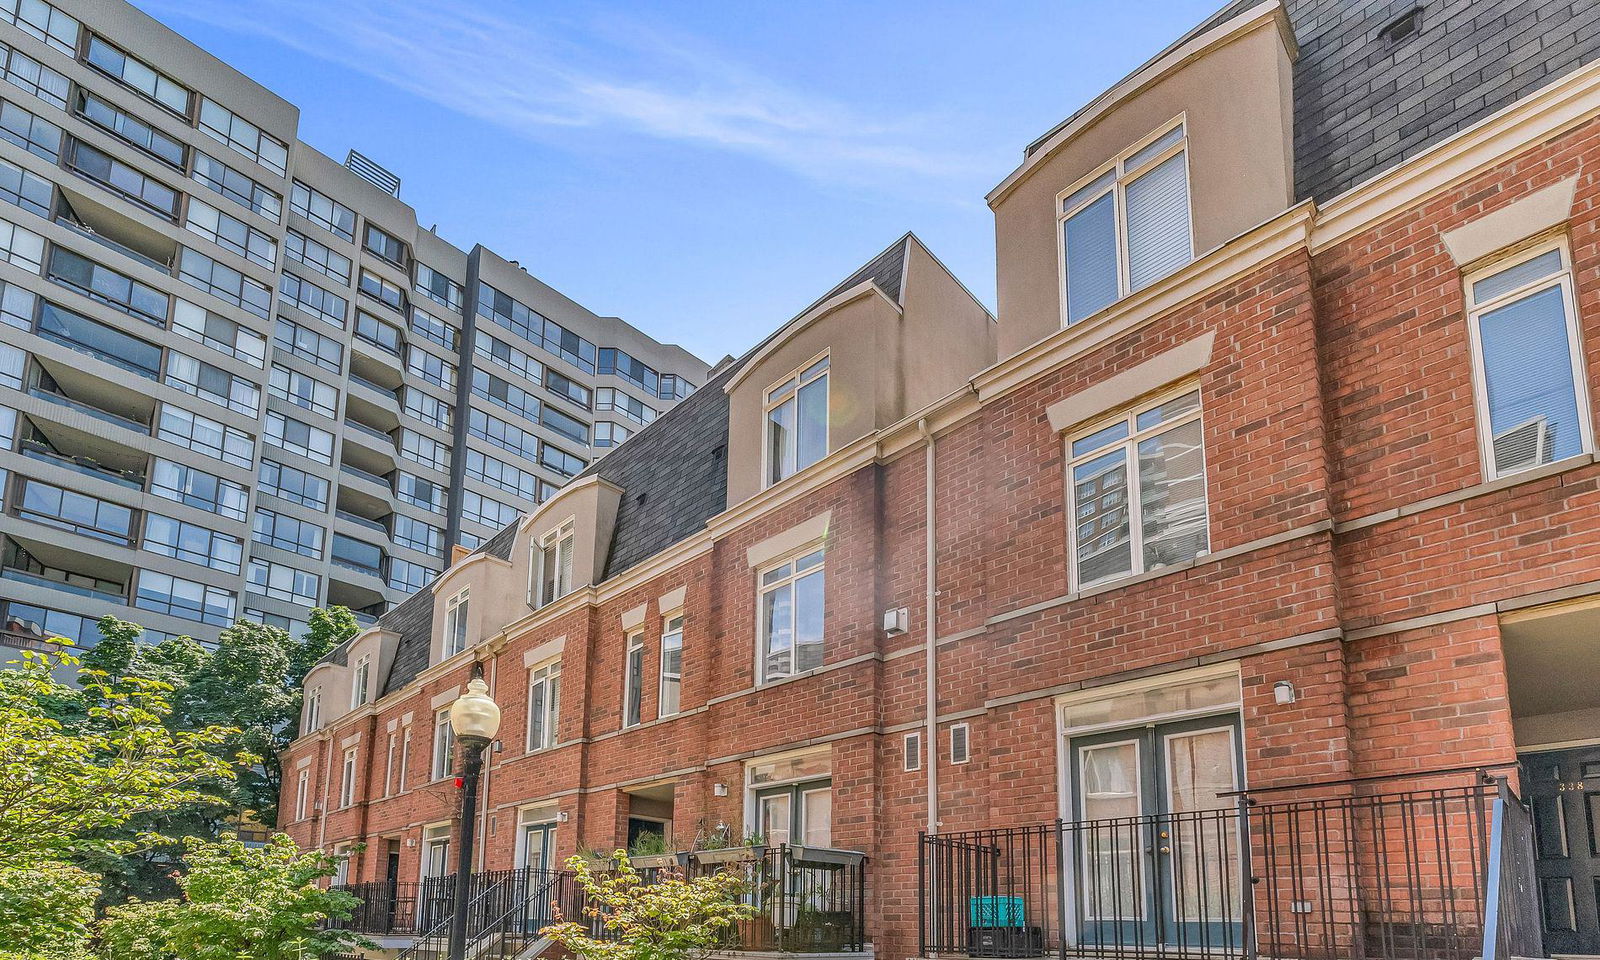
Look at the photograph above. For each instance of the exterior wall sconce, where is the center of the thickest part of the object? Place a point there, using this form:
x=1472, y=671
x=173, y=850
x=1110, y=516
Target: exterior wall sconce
x=1283, y=692
x=719, y=789
x=563, y=816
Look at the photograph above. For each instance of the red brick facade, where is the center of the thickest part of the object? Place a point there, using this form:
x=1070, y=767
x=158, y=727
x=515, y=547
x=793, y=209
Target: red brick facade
x=1355, y=550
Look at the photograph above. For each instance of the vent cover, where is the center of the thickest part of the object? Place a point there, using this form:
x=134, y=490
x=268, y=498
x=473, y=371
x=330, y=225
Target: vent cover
x=374, y=173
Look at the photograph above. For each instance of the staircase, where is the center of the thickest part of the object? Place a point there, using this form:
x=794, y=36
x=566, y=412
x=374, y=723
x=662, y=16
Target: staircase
x=505, y=912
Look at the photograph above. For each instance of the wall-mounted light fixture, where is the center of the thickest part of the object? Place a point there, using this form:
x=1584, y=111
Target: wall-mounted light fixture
x=719, y=789
x=563, y=816
x=1283, y=692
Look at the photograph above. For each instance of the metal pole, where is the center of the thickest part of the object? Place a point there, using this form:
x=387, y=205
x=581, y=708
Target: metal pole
x=473, y=767
x=1247, y=880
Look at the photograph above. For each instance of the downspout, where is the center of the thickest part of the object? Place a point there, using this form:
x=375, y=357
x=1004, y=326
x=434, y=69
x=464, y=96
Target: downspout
x=930, y=736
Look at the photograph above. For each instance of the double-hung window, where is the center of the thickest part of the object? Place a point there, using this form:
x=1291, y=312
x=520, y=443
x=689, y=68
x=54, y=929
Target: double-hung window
x=1532, y=406
x=347, y=782
x=552, y=566
x=797, y=420
x=1138, y=491
x=791, y=611
x=670, y=700
x=633, y=681
x=359, y=683
x=314, y=710
x=444, y=741
x=455, y=624
x=544, y=705
x=1127, y=227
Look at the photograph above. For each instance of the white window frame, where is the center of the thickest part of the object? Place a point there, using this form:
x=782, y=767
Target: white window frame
x=434, y=835
x=667, y=630
x=347, y=778
x=454, y=639
x=1122, y=176
x=1475, y=311
x=562, y=538
x=634, y=642
x=313, y=709
x=405, y=758
x=360, y=679
x=302, y=801
x=960, y=733
x=1130, y=447
x=548, y=675
x=762, y=589
x=388, y=766
x=444, y=739
x=796, y=379
x=911, y=752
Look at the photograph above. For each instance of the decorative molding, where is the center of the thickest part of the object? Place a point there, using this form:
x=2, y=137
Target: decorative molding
x=790, y=540
x=544, y=652
x=1539, y=212
x=671, y=600
x=789, y=330
x=445, y=697
x=1184, y=360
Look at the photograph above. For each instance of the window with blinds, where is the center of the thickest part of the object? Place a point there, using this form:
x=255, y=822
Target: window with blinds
x=1127, y=227
x=1532, y=409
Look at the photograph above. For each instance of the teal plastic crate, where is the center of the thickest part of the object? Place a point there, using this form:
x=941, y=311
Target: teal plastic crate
x=995, y=912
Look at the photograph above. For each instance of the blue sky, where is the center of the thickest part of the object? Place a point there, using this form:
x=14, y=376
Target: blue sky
x=701, y=169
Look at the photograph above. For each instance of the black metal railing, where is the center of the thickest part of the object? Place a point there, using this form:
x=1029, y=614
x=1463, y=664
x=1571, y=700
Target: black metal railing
x=806, y=899
x=502, y=906
x=1332, y=870
x=387, y=908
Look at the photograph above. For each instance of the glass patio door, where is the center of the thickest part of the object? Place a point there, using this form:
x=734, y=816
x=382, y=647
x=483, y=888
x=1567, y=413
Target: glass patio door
x=1155, y=846
x=799, y=813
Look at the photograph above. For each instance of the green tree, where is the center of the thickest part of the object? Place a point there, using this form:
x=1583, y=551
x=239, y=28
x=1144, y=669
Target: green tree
x=674, y=918
x=46, y=911
x=62, y=786
x=237, y=903
x=250, y=683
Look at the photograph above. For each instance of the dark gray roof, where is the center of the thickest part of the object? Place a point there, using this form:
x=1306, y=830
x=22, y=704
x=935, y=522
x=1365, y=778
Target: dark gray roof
x=885, y=270
x=412, y=619
x=673, y=475
x=1364, y=104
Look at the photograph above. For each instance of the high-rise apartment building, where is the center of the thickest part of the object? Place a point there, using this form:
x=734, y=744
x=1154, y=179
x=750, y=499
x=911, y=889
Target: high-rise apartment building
x=238, y=378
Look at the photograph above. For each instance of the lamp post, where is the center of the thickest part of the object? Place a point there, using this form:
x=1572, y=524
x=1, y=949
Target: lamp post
x=474, y=719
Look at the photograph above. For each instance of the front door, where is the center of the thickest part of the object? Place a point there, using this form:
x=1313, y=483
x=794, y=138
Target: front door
x=796, y=814
x=537, y=846
x=1564, y=789
x=1155, y=839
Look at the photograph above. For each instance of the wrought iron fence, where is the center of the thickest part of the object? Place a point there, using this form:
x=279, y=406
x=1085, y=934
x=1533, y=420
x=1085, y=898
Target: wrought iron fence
x=1332, y=871
x=386, y=907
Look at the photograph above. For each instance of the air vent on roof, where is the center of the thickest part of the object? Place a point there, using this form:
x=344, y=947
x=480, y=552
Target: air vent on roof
x=364, y=167
x=1402, y=28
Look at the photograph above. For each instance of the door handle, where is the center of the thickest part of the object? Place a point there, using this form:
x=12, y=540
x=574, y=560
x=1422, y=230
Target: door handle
x=1166, y=850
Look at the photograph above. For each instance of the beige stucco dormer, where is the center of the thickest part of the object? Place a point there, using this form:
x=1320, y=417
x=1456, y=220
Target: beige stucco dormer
x=1231, y=89
x=898, y=335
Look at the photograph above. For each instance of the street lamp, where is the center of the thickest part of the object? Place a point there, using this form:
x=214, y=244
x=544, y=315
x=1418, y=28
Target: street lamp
x=474, y=719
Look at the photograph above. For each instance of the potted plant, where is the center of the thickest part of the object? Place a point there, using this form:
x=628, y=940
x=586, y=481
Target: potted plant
x=596, y=860
x=754, y=847
x=650, y=851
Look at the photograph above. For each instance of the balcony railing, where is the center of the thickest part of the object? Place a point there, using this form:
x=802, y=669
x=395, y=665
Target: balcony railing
x=87, y=466
x=1334, y=872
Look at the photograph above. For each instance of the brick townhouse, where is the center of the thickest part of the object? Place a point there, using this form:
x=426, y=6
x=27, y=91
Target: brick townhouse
x=1233, y=591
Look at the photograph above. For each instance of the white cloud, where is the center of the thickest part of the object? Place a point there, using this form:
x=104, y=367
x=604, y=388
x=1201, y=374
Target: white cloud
x=529, y=71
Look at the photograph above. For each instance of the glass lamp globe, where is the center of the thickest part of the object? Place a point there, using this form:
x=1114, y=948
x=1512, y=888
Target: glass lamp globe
x=475, y=714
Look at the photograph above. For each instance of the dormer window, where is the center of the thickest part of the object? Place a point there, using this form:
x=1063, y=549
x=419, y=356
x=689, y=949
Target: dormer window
x=1127, y=226
x=455, y=624
x=797, y=420
x=552, y=566
x=359, y=682
x=313, y=709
